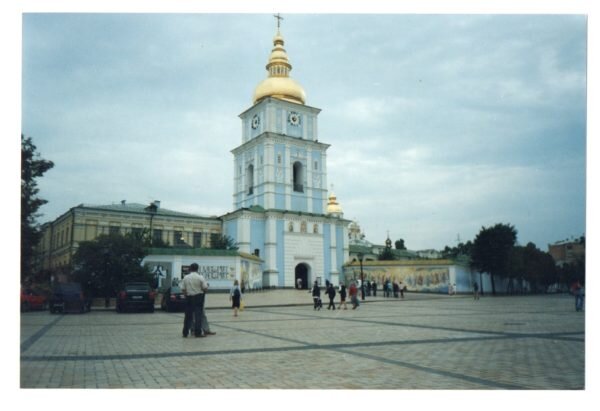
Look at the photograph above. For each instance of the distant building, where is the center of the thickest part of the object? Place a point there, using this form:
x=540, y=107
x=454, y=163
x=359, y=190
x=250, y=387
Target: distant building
x=567, y=251
x=61, y=237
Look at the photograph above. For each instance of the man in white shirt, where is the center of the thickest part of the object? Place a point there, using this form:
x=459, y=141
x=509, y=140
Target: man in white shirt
x=193, y=286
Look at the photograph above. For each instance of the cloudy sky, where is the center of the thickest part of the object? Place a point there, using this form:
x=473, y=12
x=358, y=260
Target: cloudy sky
x=438, y=124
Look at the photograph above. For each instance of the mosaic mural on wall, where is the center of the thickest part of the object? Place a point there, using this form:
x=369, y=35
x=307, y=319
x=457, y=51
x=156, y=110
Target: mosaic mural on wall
x=416, y=278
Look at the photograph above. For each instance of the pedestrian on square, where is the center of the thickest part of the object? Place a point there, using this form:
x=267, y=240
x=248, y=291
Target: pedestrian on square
x=475, y=291
x=577, y=290
x=353, y=291
x=343, y=297
x=395, y=289
x=331, y=294
x=193, y=286
x=368, y=288
x=316, y=295
x=374, y=288
x=402, y=288
x=235, y=296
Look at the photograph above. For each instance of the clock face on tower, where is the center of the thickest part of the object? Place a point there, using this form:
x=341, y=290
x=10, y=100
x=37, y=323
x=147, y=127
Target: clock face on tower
x=255, y=121
x=294, y=118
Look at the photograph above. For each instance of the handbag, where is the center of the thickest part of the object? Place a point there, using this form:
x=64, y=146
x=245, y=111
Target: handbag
x=242, y=305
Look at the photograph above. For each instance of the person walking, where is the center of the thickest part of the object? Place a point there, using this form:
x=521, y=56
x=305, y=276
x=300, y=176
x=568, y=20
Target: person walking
x=331, y=294
x=193, y=286
x=374, y=288
x=235, y=296
x=402, y=288
x=475, y=291
x=316, y=295
x=353, y=291
x=395, y=288
x=577, y=290
x=343, y=297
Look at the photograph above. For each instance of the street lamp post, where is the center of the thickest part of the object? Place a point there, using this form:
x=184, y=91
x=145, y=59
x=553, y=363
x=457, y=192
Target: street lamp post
x=362, y=277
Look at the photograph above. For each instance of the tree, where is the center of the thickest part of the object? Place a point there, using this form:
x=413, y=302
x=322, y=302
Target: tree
x=491, y=250
x=222, y=242
x=103, y=265
x=400, y=244
x=386, y=254
x=462, y=249
x=32, y=167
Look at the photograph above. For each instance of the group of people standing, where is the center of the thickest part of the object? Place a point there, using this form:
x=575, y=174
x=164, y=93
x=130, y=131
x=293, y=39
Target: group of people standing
x=352, y=291
x=194, y=287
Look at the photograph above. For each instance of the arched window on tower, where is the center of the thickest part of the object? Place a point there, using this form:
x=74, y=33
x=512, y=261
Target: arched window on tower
x=250, y=179
x=298, y=177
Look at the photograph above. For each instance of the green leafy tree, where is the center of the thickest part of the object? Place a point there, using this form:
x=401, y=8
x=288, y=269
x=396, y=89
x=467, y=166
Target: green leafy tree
x=399, y=244
x=32, y=168
x=491, y=250
x=462, y=249
x=103, y=265
x=222, y=242
x=533, y=265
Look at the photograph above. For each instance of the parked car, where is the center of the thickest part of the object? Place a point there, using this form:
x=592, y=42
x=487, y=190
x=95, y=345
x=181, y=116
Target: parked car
x=32, y=299
x=173, y=299
x=136, y=296
x=68, y=297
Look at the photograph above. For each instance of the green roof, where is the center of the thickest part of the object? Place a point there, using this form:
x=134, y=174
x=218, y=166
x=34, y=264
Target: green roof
x=141, y=208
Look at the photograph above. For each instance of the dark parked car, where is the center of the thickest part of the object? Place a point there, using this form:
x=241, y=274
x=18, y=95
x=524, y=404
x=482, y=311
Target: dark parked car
x=136, y=296
x=173, y=299
x=32, y=299
x=68, y=297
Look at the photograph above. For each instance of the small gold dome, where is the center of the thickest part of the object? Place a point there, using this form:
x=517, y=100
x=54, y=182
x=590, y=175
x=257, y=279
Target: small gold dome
x=278, y=84
x=333, y=207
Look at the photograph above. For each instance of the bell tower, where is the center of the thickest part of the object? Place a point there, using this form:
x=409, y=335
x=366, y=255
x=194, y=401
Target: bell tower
x=280, y=163
x=281, y=210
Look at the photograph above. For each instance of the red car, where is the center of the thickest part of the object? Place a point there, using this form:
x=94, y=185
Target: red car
x=32, y=300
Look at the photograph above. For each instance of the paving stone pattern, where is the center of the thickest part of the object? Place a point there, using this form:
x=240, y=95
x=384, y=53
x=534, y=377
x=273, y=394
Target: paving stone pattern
x=420, y=342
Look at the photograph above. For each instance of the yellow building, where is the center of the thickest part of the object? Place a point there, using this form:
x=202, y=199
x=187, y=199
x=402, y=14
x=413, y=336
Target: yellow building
x=61, y=237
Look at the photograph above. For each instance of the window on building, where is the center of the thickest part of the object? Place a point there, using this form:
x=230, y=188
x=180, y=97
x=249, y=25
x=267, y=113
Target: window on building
x=178, y=238
x=278, y=158
x=157, y=235
x=298, y=177
x=257, y=252
x=197, y=241
x=250, y=179
x=291, y=227
x=303, y=227
x=316, y=165
x=316, y=228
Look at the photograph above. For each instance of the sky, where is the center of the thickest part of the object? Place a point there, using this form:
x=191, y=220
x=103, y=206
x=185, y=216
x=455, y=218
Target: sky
x=439, y=124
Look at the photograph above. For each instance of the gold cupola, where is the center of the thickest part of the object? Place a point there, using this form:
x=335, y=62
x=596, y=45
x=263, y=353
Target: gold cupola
x=333, y=207
x=279, y=84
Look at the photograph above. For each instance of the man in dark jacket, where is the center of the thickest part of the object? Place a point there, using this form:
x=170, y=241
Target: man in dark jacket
x=331, y=294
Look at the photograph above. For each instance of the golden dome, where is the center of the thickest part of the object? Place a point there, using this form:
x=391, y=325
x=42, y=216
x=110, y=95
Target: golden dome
x=333, y=207
x=278, y=84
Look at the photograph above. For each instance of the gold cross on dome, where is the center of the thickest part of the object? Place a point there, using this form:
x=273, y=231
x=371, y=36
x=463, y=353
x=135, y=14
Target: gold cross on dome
x=279, y=18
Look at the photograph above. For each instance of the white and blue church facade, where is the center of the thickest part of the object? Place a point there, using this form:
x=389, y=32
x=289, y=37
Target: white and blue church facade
x=283, y=213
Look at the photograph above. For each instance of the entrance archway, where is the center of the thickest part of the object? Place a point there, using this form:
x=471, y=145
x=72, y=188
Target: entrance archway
x=301, y=272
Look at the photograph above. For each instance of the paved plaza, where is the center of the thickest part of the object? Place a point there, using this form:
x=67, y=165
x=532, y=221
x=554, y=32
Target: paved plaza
x=423, y=341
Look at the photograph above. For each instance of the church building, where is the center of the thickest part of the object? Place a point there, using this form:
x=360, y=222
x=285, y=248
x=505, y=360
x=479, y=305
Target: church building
x=282, y=212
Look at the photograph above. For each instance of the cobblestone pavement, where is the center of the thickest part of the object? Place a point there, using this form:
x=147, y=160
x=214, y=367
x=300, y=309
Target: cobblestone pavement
x=419, y=342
